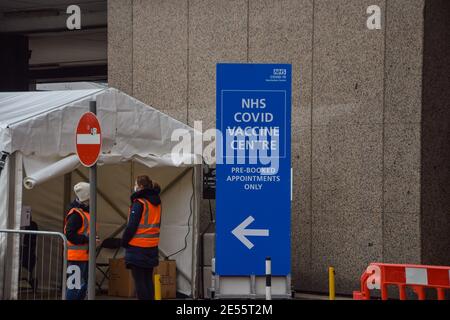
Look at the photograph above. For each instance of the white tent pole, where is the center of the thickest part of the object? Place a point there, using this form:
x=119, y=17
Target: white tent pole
x=13, y=222
x=7, y=275
x=197, y=180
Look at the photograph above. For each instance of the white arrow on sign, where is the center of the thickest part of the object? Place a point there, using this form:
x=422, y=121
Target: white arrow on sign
x=241, y=232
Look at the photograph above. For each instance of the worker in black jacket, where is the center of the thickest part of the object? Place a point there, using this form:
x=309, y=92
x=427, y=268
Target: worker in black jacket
x=76, y=229
x=141, y=236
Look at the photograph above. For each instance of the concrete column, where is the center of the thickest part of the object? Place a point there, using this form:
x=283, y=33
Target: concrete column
x=347, y=131
x=401, y=137
x=281, y=32
x=120, y=45
x=160, y=38
x=217, y=33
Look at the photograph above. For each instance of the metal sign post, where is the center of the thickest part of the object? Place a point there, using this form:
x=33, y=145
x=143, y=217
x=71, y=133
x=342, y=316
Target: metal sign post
x=92, y=221
x=89, y=145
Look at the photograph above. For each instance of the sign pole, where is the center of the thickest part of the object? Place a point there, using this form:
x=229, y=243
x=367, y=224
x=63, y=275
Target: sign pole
x=92, y=222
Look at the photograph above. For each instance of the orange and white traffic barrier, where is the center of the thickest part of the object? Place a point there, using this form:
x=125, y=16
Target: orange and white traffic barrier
x=418, y=277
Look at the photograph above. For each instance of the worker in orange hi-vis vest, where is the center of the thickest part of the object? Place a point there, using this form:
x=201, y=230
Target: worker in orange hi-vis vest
x=141, y=236
x=76, y=229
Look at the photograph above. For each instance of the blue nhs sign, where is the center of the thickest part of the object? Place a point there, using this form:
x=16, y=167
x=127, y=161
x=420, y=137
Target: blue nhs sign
x=253, y=189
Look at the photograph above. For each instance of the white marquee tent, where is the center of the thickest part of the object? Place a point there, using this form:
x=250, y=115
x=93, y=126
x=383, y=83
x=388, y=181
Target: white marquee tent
x=37, y=133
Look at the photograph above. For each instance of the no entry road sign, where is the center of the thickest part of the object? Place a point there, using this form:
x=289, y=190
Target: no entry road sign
x=88, y=139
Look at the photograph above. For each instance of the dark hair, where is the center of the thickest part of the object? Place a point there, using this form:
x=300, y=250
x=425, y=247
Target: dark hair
x=144, y=182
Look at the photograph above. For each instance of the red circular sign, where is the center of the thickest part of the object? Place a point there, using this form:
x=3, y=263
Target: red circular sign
x=88, y=139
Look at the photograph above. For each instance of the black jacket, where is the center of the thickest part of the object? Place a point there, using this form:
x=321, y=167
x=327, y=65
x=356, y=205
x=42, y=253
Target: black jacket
x=74, y=223
x=136, y=256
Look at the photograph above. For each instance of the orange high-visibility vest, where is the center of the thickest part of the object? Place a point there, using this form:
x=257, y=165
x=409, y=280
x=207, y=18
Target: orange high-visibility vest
x=147, y=234
x=76, y=252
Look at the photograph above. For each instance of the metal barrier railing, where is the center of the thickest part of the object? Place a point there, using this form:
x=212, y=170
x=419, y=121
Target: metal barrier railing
x=417, y=277
x=42, y=263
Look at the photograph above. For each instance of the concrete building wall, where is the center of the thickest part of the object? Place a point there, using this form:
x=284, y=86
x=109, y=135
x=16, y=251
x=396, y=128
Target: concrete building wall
x=357, y=101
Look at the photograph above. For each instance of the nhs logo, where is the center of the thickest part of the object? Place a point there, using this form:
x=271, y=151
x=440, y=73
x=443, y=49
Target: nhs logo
x=279, y=72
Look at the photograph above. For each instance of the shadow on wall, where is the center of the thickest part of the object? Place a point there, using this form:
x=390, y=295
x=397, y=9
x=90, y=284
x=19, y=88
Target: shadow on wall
x=435, y=184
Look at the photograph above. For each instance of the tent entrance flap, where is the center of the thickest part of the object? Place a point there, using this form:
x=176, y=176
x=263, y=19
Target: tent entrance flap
x=179, y=222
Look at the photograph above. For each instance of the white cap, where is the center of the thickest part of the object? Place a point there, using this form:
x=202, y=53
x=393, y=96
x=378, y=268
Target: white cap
x=81, y=189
